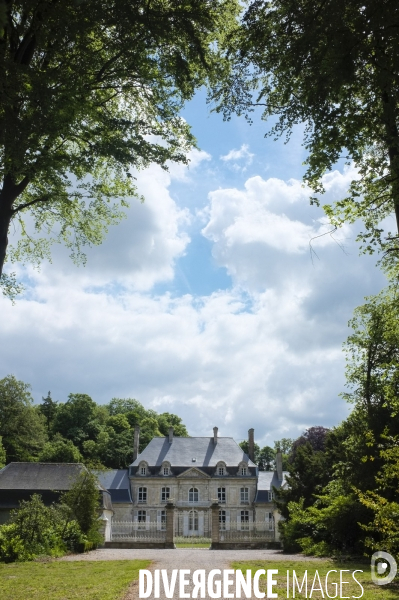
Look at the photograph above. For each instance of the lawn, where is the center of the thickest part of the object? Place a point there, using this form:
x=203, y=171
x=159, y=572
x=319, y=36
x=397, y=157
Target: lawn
x=83, y=580
x=351, y=590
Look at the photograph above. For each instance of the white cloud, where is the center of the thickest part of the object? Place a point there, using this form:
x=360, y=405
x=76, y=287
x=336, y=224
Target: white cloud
x=267, y=215
x=243, y=154
x=266, y=353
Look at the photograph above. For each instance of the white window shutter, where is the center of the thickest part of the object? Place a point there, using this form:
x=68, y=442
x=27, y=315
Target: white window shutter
x=158, y=520
x=239, y=520
x=251, y=520
x=201, y=523
x=227, y=520
x=135, y=516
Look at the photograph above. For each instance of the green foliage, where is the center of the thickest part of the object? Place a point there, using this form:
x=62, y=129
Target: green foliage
x=90, y=91
x=48, y=409
x=22, y=428
x=2, y=453
x=60, y=450
x=333, y=67
x=83, y=500
x=35, y=529
x=344, y=496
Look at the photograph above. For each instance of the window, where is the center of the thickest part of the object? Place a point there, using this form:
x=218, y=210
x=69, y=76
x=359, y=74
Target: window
x=243, y=470
x=244, y=493
x=221, y=471
x=193, y=520
x=166, y=470
x=141, y=518
x=270, y=496
x=193, y=495
x=222, y=495
x=245, y=520
x=270, y=518
x=222, y=519
x=163, y=520
x=143, y=470
x=165, y=494
x=142, y=495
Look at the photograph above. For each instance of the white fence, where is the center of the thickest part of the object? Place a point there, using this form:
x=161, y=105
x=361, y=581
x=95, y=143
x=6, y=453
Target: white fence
x=246, y=531
x=135, y=531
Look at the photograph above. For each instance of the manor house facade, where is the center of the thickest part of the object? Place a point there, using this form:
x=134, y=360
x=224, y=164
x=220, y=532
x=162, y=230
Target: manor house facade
x=193, y=473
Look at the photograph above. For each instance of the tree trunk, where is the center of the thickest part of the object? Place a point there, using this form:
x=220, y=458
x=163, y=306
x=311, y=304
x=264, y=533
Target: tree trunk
x=8, y=194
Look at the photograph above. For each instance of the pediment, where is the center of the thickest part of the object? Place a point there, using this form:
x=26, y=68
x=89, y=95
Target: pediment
x=193, y=472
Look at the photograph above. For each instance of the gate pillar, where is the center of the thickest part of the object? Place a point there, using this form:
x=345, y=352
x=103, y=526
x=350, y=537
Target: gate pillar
x=215, y=524
x=170, y=519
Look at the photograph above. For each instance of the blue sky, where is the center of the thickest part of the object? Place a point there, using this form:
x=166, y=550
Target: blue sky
x=206, y=301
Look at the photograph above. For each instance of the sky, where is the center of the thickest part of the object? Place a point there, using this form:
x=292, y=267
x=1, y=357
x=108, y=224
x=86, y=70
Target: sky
x=209, y=300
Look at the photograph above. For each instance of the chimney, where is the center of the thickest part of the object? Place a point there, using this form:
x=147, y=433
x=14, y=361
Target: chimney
x=136, y=442
x=251, y=445
x=279, y=464
x=170, y=435
x=215, y=435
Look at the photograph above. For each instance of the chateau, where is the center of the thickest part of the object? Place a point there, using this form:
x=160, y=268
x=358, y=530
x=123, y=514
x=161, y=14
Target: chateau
x=193, y=473
x=209, y=484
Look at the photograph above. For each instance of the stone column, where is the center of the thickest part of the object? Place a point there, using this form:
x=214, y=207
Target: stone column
x=170, y=519
x=215, y=525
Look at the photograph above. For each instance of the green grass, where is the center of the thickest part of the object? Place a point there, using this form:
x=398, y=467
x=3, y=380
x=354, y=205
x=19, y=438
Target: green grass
x=191, y=545
x=83, y=580
x=371, y=591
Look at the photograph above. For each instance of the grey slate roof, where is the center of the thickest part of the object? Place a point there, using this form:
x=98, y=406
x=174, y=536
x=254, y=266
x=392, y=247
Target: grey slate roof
x=19, y=480
x=182, y=450
x=267, y=480
x=39, y=476
x=116, y=481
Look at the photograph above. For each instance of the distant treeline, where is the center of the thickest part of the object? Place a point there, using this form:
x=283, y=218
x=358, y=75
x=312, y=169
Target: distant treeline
x=78, y=430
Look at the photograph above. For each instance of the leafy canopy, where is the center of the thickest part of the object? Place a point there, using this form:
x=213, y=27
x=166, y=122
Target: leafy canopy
x=89, y=90
x=333, y=66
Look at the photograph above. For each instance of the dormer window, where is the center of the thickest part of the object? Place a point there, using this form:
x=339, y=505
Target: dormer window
x=143, y=469
x=165, y=469
x=243, y=470
x=221, y=469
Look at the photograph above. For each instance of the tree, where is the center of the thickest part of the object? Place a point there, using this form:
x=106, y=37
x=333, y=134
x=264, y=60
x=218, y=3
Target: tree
x=244, y=445
x=2, y=454
x=77, y=419
x=60, y=450
x=90, y=90
x=83, y=499
x=334, y=66
x=21, y=426
x=48, y=408
x=266, y=459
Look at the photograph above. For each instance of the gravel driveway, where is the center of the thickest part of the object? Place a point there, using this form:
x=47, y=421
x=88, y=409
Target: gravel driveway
x=184, y=558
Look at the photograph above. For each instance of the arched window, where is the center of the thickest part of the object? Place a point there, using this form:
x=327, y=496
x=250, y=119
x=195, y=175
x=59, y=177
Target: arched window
x=143, y=469
x=193, y=495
